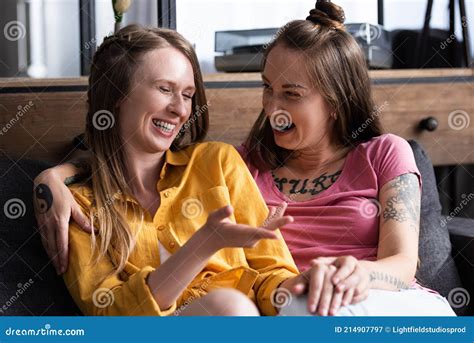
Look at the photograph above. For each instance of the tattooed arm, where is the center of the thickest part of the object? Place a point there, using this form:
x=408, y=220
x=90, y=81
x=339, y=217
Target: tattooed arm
x=81, y=170
x=398, y=234
x=54, y=205
x=397, y=255
x=73, y=171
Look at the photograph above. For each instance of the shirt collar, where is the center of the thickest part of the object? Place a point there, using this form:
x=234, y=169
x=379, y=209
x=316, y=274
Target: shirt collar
x=177, y=158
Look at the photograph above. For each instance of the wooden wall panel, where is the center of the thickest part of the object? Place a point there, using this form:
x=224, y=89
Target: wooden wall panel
x=45, y=129
x=407, y=105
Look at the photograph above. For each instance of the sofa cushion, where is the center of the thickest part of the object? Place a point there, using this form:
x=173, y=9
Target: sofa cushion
x=436, y=269
x=30, y=286
x=28, y=282
x=461, y=232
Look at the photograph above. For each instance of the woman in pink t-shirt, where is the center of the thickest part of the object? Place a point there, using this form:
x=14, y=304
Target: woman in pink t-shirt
x=354, y=192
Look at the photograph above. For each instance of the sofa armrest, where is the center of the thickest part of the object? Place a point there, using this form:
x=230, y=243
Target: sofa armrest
x=461, y=233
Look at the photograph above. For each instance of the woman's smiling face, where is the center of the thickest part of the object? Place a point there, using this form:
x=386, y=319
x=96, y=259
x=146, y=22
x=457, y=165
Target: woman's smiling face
x=159, y=101
x=299, y=115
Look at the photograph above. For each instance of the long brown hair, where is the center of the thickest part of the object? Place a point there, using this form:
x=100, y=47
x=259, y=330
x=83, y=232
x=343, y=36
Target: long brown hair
x=338, y=69
x=112, y=72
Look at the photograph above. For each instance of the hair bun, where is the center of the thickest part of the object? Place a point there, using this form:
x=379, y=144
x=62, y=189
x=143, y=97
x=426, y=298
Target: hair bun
x=327, y=14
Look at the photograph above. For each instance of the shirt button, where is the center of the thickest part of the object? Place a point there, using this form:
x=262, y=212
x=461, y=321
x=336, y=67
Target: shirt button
x=172, y=244
x=161, y=227
x=167, y=194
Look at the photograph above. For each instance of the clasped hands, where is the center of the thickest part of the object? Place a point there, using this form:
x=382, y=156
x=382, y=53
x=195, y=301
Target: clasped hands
x=331, y=282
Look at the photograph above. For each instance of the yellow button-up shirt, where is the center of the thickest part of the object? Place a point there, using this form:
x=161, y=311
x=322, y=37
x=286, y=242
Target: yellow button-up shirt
x=193, y=182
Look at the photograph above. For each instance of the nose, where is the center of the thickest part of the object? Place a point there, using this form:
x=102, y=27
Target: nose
x=178, y=106
x=271, y=104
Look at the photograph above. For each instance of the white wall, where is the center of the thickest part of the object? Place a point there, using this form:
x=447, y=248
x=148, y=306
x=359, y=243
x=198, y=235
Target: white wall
x=61, y=38
x=198, y=20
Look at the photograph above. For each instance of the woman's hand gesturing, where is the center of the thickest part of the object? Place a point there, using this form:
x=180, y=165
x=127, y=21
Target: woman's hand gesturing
x=222, y=233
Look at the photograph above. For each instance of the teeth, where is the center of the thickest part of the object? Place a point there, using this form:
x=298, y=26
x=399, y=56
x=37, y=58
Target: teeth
x=284, y=128
x=167, y=127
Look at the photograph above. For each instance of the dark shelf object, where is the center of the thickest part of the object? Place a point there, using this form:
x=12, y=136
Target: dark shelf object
x=79, y=142
x=380, y=14
x=167, y=14
x=429, y=124
x=423, y=44
x=87, y=32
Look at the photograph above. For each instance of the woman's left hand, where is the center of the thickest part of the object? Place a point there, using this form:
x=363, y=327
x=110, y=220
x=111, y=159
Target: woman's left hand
x=316, y=281
x=331, y=282
x=351, y=277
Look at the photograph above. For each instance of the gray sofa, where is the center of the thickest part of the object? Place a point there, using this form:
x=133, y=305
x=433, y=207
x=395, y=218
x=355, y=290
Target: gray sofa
x=29, y=285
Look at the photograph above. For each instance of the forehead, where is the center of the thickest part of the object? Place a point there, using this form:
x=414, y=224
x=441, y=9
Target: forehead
x=284, y=65
x=166, y=63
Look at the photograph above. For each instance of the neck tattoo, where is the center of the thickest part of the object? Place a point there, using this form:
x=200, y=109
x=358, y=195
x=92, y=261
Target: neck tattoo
x=303, y=186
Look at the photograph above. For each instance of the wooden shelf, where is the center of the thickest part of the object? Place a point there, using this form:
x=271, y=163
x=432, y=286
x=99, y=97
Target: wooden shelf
x=406, y=97
x=220, y=77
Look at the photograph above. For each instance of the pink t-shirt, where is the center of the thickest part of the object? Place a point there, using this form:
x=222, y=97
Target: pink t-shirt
x=343, y=219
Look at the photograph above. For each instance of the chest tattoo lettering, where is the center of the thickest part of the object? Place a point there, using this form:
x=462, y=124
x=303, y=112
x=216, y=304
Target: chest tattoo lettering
x=303, y=186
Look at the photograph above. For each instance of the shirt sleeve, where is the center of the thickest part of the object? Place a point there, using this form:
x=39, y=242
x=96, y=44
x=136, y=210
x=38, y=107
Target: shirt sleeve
x=124, y=295
x=242, y=150
x=271, y=258
x=393, y=157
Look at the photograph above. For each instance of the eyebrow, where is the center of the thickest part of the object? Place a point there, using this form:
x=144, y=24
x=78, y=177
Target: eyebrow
x=287, y=85
x=193, y=88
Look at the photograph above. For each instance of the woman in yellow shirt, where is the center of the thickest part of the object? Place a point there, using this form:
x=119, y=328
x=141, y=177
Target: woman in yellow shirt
x=181, y=226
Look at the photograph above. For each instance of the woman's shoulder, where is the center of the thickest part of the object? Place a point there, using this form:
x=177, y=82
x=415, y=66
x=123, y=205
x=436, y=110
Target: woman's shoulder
x=210, y=145
x=83, y=194
x=382, y=145
x=390, y=156
x=212, y=151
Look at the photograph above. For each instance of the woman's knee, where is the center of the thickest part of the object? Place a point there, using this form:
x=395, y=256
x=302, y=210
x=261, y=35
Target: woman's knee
x=229, y=302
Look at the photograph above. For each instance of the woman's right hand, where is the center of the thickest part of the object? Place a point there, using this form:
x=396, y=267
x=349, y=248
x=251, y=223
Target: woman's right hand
x=54, y=205
x=222, y=233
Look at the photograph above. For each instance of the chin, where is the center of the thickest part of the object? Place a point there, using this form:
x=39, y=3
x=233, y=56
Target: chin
x=286, y=146
x=285, y=143
x=157, y=147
